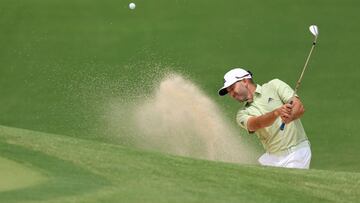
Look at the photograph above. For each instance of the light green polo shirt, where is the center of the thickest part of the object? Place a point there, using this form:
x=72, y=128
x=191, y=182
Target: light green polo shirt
x=267, y=98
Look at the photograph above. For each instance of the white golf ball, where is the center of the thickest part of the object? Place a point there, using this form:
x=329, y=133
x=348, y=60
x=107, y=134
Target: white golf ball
x=132, y=6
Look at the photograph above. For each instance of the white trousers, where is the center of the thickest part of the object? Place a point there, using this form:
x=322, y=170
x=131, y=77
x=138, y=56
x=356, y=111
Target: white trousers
x=298, y=158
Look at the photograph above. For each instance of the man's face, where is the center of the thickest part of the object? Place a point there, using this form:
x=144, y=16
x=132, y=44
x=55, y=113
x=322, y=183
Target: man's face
x=239, y=91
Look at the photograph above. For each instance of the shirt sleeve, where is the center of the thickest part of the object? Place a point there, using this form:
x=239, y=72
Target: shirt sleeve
x=242, y=118
x=284, y=91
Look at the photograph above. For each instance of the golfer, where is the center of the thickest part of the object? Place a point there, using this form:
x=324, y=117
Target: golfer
x=266, y=107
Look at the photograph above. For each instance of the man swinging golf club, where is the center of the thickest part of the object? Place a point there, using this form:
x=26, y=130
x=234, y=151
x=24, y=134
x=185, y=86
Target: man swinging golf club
x=267, y=109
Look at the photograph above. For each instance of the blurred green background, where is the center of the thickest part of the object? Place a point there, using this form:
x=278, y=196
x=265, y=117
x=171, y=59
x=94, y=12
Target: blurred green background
x=61, y=61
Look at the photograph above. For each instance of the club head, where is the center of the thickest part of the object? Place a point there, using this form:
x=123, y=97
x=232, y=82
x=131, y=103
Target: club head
x=314, y=30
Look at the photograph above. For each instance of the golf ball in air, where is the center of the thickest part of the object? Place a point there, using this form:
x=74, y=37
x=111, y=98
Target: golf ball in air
x=132, y=6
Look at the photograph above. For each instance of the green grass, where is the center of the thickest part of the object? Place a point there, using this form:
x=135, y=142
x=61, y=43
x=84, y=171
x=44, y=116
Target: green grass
x=62, y=178
x=88, y=171
x=62, y=61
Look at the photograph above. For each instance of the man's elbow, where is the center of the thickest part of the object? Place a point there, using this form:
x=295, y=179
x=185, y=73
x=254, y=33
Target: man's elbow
x=300, y=112
x=253, y=124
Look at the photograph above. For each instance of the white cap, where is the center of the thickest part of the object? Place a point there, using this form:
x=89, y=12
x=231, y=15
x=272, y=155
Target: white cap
x=232, y=77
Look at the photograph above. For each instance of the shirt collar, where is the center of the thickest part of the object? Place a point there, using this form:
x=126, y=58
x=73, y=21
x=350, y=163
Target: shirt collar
x=258, y=89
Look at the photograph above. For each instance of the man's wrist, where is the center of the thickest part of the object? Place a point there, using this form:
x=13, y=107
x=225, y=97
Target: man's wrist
x=276, y=113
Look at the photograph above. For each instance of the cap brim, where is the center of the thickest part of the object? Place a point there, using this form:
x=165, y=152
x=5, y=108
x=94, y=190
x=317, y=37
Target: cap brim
x=223, y=91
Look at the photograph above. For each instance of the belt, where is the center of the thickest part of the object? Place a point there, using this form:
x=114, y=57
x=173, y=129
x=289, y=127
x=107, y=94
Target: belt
x=291, y=149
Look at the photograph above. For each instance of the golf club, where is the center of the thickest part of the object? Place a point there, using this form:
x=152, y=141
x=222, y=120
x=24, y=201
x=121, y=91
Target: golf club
x=314, y=30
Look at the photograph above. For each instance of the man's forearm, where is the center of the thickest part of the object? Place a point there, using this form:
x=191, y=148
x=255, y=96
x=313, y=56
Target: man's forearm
x=262, y=121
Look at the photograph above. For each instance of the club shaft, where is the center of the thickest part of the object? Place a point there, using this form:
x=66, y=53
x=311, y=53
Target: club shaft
x=301, y=76
x=304, y=68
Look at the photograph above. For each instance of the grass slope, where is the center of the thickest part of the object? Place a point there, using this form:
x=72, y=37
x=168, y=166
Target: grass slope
x=90, y=171
x=15, y=175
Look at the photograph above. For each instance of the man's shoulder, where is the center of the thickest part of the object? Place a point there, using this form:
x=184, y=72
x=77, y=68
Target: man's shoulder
x=243, y=110
x=274, y=83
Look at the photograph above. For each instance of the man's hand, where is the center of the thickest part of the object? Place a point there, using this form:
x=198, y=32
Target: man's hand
x=286, y=113
x=289, y=112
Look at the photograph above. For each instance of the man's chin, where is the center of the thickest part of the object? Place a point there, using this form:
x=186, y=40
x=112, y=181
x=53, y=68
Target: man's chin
x=242, y=100
x=245, y=100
